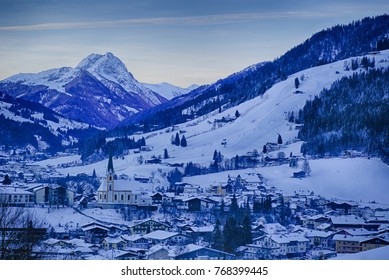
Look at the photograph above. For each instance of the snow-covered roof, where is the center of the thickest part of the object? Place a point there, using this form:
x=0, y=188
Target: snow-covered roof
x=127, y=185
x=14, y=190
x=289, y=237
x=347, y=220
x=318, y=233
x=113, y=240
x=357, y=231
x=160, y=235
x=345, y=237
x=323, y=226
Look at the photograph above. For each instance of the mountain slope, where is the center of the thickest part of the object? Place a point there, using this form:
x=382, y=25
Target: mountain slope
x=169, y=91
x=99, y=91
x=261, y=120
x=24, y=123
x=327, y=46
x=351, y=115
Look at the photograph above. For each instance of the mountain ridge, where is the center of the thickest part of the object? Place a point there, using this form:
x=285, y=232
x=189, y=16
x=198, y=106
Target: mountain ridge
x=100, y=89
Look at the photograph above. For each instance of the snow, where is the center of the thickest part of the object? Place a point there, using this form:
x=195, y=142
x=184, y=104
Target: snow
x=374, y=254
x=261, y=120
x=169, y=91
x=108, y=68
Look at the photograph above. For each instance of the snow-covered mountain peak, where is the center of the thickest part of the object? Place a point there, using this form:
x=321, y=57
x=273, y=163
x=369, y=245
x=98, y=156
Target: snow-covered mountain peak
x=107, y=66
x=170, y=91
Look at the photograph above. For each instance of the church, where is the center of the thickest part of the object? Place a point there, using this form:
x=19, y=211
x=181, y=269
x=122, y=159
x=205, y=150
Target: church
x=114, y=193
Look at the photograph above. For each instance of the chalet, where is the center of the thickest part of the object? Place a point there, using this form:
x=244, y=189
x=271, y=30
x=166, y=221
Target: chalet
x=319, y=238
x=204, y=232
x=374, y=242
x=195, y=252
x=163, y=237
x=137, y=241
x=197, y=204
x=348, y=243
x=144, y=227
x=191, y=189
x=347, y=221
x=142, y=179
x=159, y=252
x=283, y=246
x=157, y=198
x=345, y=208
x=113, y=243
x=95, y=233
x=126, y=255
x=313, y=222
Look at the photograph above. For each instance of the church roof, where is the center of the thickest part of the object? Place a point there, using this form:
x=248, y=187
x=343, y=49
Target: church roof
x=110, y=164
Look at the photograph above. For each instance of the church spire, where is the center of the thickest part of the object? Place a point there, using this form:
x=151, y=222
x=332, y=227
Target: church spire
x=110, y=164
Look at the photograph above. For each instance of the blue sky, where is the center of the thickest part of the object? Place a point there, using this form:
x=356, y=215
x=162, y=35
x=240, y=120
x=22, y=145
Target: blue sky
x=181, y=42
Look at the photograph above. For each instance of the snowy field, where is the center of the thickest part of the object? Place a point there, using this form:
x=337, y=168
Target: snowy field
x=261, y=120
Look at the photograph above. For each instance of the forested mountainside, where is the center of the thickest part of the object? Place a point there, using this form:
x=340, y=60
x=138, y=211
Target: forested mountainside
x=351, y=115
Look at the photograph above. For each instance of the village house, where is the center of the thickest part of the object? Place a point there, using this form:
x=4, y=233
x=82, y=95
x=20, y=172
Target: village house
x=95, y=233
x=197, y=204
x=147, y=226
x=167, y=238
x=159, y=252
x=113, y=243
x=345, y=208
x=283, y=246
x=16, y=196
x=137, y=241
x=319, y=238
x=376, y=241
x=195, y=252
x=346, y=221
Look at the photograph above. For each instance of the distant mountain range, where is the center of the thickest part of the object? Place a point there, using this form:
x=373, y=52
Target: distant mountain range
x=170, y=91
x=100, y=91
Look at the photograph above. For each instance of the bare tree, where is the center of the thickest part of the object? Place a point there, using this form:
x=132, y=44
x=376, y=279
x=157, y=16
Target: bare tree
x=20, y=232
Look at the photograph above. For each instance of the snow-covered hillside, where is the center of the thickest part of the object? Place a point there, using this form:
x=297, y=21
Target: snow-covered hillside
x=261, y=120
x=169, y=91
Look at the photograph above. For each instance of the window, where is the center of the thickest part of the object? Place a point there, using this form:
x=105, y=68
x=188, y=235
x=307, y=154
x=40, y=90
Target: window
x=129, y=197
x=121, y=197
x=116, y=197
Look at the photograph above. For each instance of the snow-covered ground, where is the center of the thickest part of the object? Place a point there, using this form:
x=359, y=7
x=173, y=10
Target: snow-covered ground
x=261, y=120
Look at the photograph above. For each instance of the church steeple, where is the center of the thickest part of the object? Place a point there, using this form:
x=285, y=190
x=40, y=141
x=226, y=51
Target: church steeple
x=110, y=164
x=110, y=175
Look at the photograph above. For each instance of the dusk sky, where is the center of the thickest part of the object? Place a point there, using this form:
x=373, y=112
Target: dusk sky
x=180, y=42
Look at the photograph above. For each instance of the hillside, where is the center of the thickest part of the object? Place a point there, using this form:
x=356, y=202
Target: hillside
x=333, y=44
x=260, y=121
x=24, y=123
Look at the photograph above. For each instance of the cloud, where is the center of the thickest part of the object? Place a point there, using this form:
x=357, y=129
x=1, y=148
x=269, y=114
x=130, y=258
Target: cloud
x=188, y=20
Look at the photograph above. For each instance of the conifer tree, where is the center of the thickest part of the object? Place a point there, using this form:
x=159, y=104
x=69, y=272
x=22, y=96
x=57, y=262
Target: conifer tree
x=279, y=140
x=217, y=236
x=183, y=141
x=247, y=236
